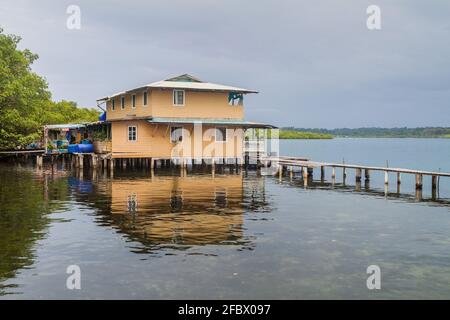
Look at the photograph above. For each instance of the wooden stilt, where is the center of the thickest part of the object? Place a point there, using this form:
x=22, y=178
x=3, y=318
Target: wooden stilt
x=111, y=167
x=344, y=175
x=433, y=186
x=305, y=176
x=358, y=175
x=419, y=181
x=367, y=174
x=81, y=161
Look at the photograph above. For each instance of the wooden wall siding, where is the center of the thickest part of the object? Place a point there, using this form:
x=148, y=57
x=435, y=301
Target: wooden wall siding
x=160, y=104
x=139, y=111
x=154, y=141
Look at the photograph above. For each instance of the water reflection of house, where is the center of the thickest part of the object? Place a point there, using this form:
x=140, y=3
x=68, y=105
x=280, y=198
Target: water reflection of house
x=183, y=210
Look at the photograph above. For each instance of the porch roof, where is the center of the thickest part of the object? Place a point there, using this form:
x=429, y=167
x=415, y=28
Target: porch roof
x=228, y=122
x=73, y=125
x=65, y=126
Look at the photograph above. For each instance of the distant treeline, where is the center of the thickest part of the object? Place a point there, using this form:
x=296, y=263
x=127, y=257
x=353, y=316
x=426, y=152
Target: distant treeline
x=425, y=132
x=296, y=134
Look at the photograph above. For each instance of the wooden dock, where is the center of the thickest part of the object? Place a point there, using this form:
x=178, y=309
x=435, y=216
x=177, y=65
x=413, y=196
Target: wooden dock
x=307, y=167
x=22, y=152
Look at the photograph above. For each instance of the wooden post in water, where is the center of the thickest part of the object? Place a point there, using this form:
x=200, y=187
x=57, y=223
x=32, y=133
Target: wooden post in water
x=399, y=178
x=322, y=173
x=310, y=172
x=367, y=174
x=80, y=161
x=111, y=166
x=305, y=176
x=358, y=175
x=94, y=160
x=344, y=175
x=39, y=161
x=386, y=178
x=333, y=173
x=433, y=186
x=419, y=181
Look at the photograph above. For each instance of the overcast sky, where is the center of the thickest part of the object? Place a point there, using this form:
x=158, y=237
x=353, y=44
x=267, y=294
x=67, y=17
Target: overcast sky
x=315, y=63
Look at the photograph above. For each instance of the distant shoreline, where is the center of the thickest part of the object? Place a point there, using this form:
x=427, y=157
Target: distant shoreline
x=318, y=133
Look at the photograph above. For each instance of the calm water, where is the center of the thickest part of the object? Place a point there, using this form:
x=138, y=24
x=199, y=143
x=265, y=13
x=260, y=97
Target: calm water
x=234, y=235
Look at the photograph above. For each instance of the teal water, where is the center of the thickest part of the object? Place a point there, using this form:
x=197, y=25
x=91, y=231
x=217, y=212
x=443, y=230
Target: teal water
x=236, y=235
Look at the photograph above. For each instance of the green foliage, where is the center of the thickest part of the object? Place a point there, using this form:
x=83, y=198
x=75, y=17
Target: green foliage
x=25, y=101
x=100, y=135
x=426, y=132
x=293, y=134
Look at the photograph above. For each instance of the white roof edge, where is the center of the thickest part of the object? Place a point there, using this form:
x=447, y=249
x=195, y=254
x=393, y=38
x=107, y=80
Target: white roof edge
x=195, y=86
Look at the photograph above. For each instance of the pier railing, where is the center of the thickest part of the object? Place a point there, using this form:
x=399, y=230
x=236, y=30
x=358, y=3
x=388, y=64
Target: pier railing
x=307, y=167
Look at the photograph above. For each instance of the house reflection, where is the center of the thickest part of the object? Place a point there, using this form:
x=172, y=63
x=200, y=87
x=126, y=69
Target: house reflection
x=189, y=210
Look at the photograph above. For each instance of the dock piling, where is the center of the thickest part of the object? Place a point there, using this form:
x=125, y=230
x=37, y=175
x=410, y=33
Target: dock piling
x=305, y=176
x=419, y=181
x=367, y=174
x=358, y=175
x=433, y=186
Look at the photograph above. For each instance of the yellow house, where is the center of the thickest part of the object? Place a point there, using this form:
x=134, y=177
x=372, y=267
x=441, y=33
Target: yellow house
x=178, y=118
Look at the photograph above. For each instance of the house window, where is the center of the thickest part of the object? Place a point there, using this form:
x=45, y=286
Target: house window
x=176, y=134
x=113, y=104
x=133, y=101
x=132, y=133
x=221, y=134
x=145, y=98
x=178, y=97
x=122, y=103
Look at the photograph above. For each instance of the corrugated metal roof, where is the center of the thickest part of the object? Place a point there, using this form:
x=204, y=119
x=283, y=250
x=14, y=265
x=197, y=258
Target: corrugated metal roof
x=65, y=126
x=73, y=125
x=172, y=83
x=235, y=122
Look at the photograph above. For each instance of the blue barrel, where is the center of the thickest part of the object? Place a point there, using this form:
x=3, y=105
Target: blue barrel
x=72, y=148
x=102, y=117
x=86, y=148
